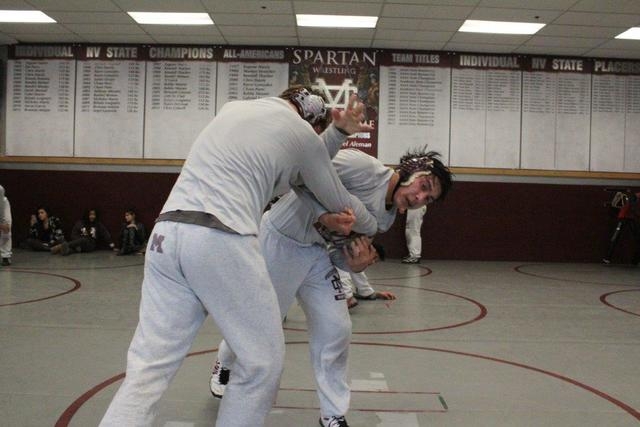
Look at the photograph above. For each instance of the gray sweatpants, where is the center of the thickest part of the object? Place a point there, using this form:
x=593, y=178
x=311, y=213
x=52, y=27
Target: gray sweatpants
x=191, y=270
x=305, y=271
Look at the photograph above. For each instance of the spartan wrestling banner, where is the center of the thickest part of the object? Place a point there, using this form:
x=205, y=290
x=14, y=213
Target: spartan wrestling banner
x=338, y=73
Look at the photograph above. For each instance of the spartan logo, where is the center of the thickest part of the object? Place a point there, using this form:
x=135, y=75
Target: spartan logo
x=156, y=243
x=337, y=95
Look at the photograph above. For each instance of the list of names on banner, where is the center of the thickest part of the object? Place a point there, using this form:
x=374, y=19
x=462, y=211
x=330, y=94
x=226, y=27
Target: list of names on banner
x=414, y=104
x=477, y=110
x=40, y=101
x=556, y=114
x=246, y=74
x=485, y=111
x=109, y=102
x=615, y=116
x=180, y=99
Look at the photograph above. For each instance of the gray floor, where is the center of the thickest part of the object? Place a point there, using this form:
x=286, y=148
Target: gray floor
x=465, y=344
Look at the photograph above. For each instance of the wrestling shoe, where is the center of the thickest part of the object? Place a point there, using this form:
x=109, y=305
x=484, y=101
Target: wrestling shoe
x=219, y=380
x=410, y=260
x=6, y=262
x=333, y=422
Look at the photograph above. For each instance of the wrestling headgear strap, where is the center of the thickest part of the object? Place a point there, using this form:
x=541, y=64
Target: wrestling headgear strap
x=311, y=107
x=414, y=167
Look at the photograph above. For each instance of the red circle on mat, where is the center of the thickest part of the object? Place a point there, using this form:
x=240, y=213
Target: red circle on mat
x=481, y=314
x=604, y=299
x=74, y=281
x=68, y=414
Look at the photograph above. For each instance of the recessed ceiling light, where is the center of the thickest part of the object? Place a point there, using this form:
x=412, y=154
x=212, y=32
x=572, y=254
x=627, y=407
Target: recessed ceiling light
x=171, y=18
x=632, y=33
x=24, y=16
x=336, y=21
x=499, y=27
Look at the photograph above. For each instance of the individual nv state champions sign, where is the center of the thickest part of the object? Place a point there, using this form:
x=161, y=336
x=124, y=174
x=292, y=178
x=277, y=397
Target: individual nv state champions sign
x=40, y=100
x=338, y=74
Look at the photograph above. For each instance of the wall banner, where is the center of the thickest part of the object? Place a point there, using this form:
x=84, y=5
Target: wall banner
x=339, y=73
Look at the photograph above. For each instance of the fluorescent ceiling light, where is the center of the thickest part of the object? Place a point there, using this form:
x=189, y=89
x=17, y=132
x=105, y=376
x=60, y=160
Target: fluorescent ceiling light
x=499, y=27
x=24, y=16
x=171, y=18
x=337, y=21
x=632, y=33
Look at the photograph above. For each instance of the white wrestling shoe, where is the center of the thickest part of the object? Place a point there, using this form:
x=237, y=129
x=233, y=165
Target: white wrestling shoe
x=219, y=380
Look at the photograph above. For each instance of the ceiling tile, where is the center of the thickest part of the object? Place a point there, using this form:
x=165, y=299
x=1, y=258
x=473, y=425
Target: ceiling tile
x=529, y=4
x=416, y=44
x=438, y=2
x=337, y=8
x=336, y=33
x=419, y=24
x=248, y=6
x=550, y=50
x=187, y=30
x=15, y=5
x=10, y=28
x=497, y=39
x=256, y=31
x=614, y=53
x=253, y=19
x=401, y=35
x=329, y=43
x=7, y=39
x=160, y=5
x=485, y=48
x=399, y=23
x=517, y=15
x=422, y=11
x=579, y=31
x=50, y=38
x=75, y=5
x=565, y=41
x=104, y=28
x=188, y=39
x=598, y=19
x=264, y=41
x=621, y=44
x=118, y=38
x=91, y=17
x=613, y=6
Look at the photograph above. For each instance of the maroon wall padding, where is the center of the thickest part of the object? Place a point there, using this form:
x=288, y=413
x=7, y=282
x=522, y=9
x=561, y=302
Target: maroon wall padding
x=68, y=194
x=478, y=221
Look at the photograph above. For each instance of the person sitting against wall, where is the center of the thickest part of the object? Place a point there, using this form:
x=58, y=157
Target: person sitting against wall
x=133, y=235
x=85, y=236
x=45, y=232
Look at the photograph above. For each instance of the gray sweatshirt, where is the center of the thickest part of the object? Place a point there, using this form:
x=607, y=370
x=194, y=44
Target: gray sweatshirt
x=251, y=152
x=364, y=176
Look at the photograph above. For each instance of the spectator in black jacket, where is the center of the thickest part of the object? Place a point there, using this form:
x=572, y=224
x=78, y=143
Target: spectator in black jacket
x=133, y=235
x=85, y=236
x=45, y=232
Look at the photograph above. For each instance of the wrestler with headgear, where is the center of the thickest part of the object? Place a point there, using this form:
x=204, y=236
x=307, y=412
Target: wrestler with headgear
x=301, y=256
x=203, y=256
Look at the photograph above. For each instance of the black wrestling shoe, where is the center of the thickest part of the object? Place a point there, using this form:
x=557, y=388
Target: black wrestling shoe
x=333, y=422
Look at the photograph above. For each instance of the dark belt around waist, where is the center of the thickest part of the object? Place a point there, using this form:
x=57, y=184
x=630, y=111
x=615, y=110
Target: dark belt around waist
x=194, y=217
